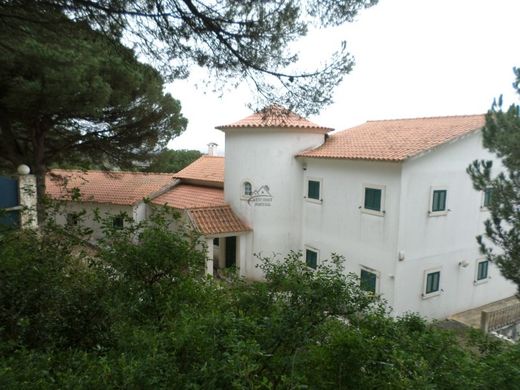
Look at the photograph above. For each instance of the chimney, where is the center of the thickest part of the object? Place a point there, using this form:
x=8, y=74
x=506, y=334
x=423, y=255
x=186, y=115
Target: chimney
x=211, y=148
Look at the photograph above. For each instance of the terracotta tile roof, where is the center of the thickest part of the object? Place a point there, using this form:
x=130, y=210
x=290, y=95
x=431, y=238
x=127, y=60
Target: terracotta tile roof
x=209, y=169
x=216, y=220
x=122, y=188
x=395, y=140
x=184, y=196
x=275, y=116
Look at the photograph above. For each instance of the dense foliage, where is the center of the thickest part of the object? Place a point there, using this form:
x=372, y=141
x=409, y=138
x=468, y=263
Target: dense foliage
x=172, y=160
x=501, y=135
x=72, y=95
x=246, y=40
x=138, y=312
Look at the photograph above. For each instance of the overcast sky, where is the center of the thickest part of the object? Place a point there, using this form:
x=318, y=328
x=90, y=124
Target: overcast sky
x=414, y=58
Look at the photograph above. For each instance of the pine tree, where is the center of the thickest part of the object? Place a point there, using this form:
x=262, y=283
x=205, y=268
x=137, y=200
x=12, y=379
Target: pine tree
x=71, y=94
x=501, y=135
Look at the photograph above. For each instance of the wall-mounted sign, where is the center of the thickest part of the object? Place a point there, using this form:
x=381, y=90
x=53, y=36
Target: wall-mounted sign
x=260, y=197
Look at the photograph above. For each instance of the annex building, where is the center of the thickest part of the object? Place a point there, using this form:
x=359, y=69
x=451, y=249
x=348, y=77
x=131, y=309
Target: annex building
x=392, y=197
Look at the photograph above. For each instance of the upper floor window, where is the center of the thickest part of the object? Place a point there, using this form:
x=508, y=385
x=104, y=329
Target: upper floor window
x=486, y=197
x=247, y=189
x=314, y=189
x=438, y=201
x=311, y=258
x=373, y=199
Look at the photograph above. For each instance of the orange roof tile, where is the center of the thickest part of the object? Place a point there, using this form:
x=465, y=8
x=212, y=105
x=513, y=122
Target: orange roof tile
x=208, y=169
x=122, y=188
x=216, y=220
x=275, y=116
x=395, y=140
x=184, y=196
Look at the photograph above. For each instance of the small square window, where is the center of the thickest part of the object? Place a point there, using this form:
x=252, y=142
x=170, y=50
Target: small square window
x=118, y=222
x=216, y=241
x=313, y=189
x=439, y=201
x=368, y=281
x=432, y=282
x=72, y=219
x=486, y=197
x=482, y=270
x=311, y=258
x=373, y=199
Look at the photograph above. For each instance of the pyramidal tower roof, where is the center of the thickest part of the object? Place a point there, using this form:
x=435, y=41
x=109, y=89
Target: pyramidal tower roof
x=275, y=117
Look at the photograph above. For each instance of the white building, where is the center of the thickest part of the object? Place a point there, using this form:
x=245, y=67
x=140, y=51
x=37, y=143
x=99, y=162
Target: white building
x=392, y=197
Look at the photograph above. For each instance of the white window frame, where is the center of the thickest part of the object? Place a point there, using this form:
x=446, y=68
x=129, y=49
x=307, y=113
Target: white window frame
x=483, y=207
x=312, y=249
x=373, y=271
x=425, y=295
x=432, y=213
x=380, y=213
x=306, y=196
x=477, y=262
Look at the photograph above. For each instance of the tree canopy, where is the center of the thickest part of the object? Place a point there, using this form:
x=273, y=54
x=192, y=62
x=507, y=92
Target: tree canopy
x=235, y=40
x=501, y=135
x=172, y=160
x=71, y=94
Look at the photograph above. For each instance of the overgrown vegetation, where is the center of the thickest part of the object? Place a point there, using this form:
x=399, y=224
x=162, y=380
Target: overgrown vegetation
x=140, y=313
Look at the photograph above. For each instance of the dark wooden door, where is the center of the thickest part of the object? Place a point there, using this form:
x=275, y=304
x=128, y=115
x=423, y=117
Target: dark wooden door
x=231, y=251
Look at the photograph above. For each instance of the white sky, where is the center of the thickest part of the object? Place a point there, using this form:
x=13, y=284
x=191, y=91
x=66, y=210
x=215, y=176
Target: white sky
x=414, y=58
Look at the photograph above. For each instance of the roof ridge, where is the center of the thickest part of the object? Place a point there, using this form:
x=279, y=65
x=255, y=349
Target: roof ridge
x=113, y=172
x=423, y=117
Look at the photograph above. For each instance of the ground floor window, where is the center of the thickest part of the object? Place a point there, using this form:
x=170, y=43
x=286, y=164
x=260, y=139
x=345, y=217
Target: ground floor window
x=311, y=258
x=118, y=222
x=482, y=270
x=432, y=282
x=216, y=241
x=368, y=281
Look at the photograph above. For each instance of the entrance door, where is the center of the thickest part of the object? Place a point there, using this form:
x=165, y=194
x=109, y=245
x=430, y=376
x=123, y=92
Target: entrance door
x=231, y=251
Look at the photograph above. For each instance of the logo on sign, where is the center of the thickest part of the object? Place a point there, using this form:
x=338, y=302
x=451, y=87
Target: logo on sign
x=260, y=197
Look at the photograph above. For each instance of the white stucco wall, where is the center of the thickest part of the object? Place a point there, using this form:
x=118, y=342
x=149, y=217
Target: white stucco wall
x=340, y=225
x=441, y=242
x=266, y=157
x=88, y=221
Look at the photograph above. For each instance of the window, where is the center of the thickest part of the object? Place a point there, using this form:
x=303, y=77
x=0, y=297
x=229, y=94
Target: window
x=72, y=219
x=486, y=197
x=216, y=241
x=368, y=281
x=482, y=270
x=439, y=201
x=432, y=282
x=313, y=189
x=373, y=199
x=247, y=189
x=311, y=258
x=118, y=222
